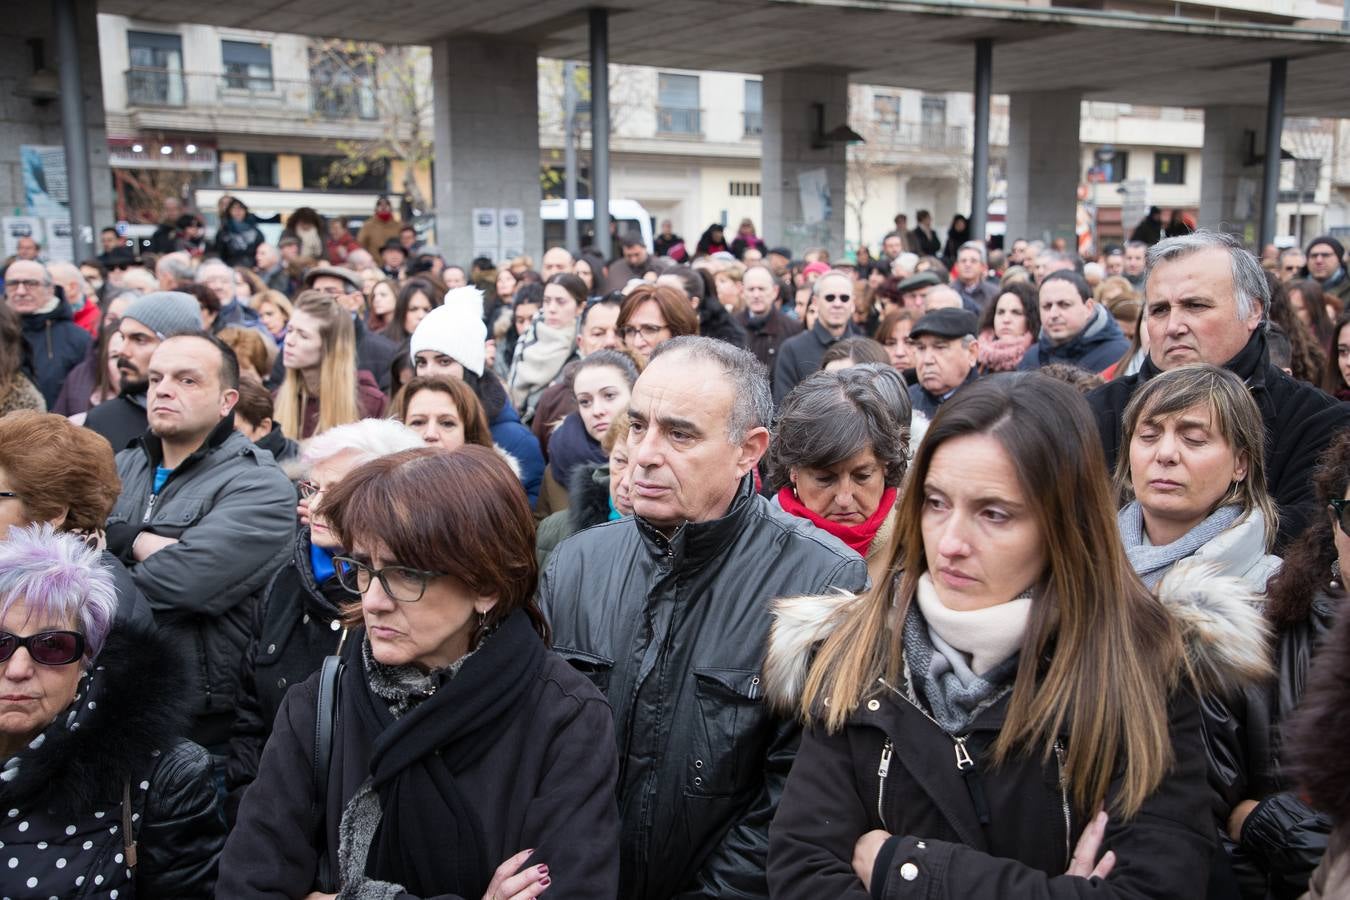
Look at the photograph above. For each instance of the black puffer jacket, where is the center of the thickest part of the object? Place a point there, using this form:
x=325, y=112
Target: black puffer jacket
x=673, y=630
x=715, y=322
x=892, y=768
x=63, y=825
x=588, y=504
x=1300, y=421
x=1283, y=838
x=57, y=344
x=294, y=627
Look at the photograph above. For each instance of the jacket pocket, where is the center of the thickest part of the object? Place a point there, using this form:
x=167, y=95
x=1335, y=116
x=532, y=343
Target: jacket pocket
x=595, y=667
x=725, y=748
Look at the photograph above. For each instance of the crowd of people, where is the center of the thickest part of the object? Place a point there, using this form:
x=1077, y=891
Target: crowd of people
x=334, y=569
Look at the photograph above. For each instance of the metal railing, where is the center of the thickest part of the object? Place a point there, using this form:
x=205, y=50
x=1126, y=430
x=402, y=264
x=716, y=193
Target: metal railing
x=918, y=135
x=754, y=123
x=678, y=120
x=334, y=100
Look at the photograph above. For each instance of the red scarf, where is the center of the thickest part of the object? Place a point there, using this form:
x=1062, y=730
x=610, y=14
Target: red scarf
x=859, y=537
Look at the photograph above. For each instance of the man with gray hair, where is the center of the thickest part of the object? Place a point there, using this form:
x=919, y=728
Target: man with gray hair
x=1205, y=302
x=832, y=297
x=668, y=612
x=174, y=271
x=55, y=343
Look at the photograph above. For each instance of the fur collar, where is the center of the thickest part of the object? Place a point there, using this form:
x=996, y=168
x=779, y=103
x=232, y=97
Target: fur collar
x=1224, y=631
x=142, y=707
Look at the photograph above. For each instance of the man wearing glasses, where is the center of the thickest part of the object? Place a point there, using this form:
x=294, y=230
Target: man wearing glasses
x=1326, y=263
x=1291, y=263
x=832, y=297
x=56, y=343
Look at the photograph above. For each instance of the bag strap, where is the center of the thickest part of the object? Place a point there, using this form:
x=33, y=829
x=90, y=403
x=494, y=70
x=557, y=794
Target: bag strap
x=325, y=725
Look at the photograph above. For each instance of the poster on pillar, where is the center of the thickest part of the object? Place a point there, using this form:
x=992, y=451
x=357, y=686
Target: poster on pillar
x=47, y=197
x=17, y=227
x=512, y=232
x=813, y=188
x=484, y=231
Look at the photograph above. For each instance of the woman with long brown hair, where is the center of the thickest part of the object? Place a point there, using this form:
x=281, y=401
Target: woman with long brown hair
x=1010, y=691
x=323, y=387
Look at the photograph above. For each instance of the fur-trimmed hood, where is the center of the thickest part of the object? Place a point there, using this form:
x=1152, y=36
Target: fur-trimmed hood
x=1225, y=634
x=134, y=702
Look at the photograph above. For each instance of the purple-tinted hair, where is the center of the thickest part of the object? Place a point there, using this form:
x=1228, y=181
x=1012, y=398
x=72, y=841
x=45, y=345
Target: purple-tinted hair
x=60, y=581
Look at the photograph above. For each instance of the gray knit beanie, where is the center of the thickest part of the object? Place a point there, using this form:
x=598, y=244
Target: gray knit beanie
x=166, y=312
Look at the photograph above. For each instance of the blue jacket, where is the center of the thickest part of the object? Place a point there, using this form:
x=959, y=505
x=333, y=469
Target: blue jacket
x=516, y=439
x=57, y=345
x=1095, y=348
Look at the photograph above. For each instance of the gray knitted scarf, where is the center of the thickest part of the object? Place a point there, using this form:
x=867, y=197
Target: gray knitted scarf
x=940, y=675
x=1151, y=562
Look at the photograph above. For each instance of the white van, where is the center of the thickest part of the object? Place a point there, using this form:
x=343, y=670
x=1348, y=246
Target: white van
x=630, y=217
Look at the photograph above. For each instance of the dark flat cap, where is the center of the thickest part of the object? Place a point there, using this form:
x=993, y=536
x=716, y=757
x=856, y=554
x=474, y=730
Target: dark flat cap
x=918, y=281
x=947, y=323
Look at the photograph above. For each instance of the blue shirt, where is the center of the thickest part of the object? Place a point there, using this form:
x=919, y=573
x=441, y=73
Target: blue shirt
x=321, y=563
x=161, y=475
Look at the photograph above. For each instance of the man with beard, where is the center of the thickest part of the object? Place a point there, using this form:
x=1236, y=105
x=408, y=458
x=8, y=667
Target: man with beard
x=144, y=325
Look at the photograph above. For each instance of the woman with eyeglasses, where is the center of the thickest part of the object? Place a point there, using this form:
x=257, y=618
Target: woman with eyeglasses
x=468, y=760
x=1274, y=838
x=298, y=621
x=652, y=315
x=100, y=795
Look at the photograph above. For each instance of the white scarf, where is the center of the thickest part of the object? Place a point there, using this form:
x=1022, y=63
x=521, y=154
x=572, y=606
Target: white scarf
x=985, y=637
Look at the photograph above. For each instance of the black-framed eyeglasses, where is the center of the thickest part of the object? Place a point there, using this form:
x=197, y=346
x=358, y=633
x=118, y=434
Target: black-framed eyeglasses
x=648, y=331
x=837, y=298
x=308, y=489
x=11, y=494
x=49, y=648
x=404, y=584
x=1339, y=508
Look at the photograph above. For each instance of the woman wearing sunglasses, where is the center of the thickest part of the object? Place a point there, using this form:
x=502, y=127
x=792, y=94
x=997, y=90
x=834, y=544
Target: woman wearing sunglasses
x=100, y=797
x=468, y=760
x=298, y=622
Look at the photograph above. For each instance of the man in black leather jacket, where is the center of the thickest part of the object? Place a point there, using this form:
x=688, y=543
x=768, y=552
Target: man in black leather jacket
x=668, y=612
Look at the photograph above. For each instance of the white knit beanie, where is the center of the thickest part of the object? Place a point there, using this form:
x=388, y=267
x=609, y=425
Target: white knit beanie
x=455, y=329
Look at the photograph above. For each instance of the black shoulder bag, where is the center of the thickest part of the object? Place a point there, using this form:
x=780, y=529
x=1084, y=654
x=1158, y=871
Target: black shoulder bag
x=325, y=727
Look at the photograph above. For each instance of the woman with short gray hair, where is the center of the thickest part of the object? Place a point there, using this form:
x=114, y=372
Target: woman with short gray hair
x=838, y=458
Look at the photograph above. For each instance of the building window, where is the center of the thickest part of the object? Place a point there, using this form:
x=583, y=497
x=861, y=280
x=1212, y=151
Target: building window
x=155, y=77
x=261, y=169
x=248, y=67
x=1169, y=168
x=1112, y=170
x=754, y=107
x=677, y=110
x=342, y=85
x=886, y=111
x=743, y=188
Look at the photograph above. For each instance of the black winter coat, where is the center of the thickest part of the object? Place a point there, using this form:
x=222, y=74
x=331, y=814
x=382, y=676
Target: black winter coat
x=57, y=345
x=673, y=630
x=1300, y=422
x=715, y=322
x=120, y=419
x=62, y=831
x=547, y=784
x=765, y=336
x=1100, y=344
x=837, y=793
x=294, y=627
x=1283, y=838
x=800, y=356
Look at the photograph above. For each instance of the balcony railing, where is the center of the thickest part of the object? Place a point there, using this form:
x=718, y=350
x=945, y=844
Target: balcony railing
x=677, y=120
x=921, y=136
x=754, y=123
x=170, y=88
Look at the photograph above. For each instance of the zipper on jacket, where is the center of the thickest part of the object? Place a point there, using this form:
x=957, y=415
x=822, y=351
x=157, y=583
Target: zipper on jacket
x=1064, y=799
x=965, y=763
x=149, y=509
x=883, y=770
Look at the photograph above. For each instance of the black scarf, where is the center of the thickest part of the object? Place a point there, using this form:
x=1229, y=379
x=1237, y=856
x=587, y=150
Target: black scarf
x=430, y=838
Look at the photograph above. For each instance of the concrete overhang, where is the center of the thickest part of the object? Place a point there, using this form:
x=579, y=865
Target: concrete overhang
x=921, y=44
